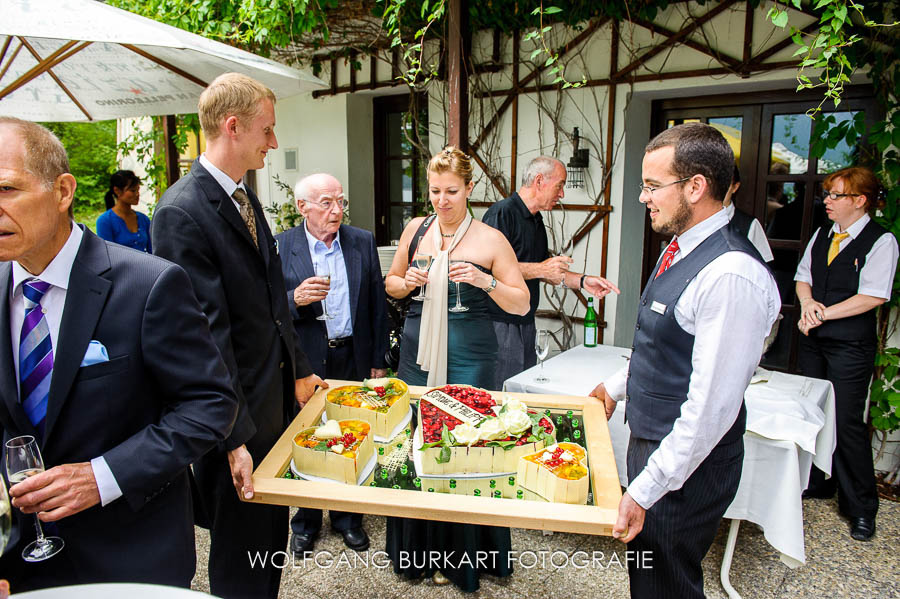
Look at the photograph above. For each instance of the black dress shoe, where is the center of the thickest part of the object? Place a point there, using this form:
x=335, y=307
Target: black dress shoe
x=302, y=542
x=818, y=493
x=862, y=529
x=355, y=538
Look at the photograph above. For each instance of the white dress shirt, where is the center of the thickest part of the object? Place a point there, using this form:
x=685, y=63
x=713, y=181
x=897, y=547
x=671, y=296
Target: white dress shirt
x=54, y=301
x=756, y=235
x=877, y=275
x=226, y=182
x=729, y=308
x=338, y=299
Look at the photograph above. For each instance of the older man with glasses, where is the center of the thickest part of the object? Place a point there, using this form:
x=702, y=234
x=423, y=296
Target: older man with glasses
x=336, y=294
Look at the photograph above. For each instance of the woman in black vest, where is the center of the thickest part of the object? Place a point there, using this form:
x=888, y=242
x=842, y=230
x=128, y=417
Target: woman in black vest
x=846, y=272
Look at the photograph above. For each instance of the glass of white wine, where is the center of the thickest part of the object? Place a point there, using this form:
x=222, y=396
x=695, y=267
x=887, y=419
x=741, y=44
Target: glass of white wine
x=422, y=261
x=458, y=307
x=23, y=459
x=542, y=349
x=324, y=272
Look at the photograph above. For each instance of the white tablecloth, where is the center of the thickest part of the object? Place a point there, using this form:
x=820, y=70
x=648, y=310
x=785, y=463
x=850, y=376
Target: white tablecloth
x=790, y=424
x=113, y=591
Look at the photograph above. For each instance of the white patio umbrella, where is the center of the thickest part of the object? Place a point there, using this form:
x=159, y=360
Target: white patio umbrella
x=76, y=60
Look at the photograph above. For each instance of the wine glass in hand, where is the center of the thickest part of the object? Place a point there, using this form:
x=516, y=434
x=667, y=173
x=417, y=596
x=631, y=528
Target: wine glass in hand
x=23, y=460
x=422, y=261
x=458, y=307
x=324, y=272
x=542, y=349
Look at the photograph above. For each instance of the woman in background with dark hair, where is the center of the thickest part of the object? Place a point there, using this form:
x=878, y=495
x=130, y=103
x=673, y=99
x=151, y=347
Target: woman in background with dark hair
x=121, y=223
x=846, y=272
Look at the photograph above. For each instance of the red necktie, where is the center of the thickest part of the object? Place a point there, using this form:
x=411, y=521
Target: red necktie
x=668, y=257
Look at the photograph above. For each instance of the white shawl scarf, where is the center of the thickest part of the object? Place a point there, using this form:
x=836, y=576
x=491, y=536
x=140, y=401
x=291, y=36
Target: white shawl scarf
x=432, y=356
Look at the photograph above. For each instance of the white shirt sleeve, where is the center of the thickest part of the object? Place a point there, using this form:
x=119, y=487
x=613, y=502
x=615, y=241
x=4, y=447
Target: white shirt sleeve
x=758, y=238
x=728, y=308
x=615, y=384
x=877, y=275
x=804, y=273
x=106, y=482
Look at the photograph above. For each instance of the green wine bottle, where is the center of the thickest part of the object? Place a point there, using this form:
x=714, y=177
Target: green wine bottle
x=590, y=325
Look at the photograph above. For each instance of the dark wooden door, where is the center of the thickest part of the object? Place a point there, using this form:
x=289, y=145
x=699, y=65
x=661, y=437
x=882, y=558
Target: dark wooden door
x=781, y=182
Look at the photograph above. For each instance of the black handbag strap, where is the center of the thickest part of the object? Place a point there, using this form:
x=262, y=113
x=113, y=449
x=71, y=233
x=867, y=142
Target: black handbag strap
x=423, y=228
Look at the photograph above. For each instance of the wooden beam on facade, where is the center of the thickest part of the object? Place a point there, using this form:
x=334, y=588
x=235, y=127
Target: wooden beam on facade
x=561, y=51
x=688, y=42
x=675, y=39
x=748, y=36
x=373, y=71
x=494, y=179
x=170, y=150
x=457, y=77
x=514, y=149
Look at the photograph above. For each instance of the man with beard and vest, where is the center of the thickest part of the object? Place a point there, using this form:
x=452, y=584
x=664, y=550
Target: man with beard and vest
x=684, y=385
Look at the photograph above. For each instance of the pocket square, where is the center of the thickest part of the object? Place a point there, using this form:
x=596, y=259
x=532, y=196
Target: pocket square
x=95, y=354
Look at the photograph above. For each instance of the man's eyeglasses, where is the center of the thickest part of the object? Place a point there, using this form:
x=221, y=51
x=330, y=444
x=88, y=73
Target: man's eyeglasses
x=328, y=205
x=650, y=189
x=833, y=195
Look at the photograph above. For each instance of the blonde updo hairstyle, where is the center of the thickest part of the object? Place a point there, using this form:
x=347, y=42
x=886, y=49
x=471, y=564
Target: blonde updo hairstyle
x=451, y=159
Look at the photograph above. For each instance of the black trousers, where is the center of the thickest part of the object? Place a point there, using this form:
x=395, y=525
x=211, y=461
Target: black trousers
x=339, y=364
x=849, y=366
x=679, y=528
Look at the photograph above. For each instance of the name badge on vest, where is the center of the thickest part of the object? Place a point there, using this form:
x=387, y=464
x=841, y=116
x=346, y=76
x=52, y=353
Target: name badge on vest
x=658, y=307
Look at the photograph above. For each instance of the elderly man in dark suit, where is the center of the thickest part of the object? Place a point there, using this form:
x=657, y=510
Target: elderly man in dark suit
x=128, y=390
x=215, y=228
x=349, y=339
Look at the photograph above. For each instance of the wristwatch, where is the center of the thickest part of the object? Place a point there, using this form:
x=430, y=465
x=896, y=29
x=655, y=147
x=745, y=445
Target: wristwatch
x=492, y=286
x=581, y=283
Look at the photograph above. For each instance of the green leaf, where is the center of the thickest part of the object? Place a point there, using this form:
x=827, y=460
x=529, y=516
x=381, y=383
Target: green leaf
x=780, y=18
x=444, y=456
x=506, y=445
x=322, y=446
x=535, y=53
x=552, y=10
x=549, y=61
x=893, y=398
x=875, y=411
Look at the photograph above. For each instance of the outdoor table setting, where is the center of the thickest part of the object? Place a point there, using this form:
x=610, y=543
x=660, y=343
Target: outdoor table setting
x=790, y=425
x=404, y=479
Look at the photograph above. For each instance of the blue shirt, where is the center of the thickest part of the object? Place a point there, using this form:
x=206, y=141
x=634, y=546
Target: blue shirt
x=337, y=301
x=111, y=227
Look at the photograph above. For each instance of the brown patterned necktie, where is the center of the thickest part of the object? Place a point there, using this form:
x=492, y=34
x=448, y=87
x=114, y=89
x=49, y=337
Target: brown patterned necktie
x=241, y=197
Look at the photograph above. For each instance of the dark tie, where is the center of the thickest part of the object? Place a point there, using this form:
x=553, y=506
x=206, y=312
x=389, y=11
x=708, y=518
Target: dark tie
x=35, y=355
x=668, y=257
x=241, y=197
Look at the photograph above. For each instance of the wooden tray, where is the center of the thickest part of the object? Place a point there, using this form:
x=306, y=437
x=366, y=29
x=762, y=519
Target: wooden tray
x=596, y=519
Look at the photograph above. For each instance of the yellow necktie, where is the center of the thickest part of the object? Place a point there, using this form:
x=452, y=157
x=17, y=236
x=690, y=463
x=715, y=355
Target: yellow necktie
x=836, y=240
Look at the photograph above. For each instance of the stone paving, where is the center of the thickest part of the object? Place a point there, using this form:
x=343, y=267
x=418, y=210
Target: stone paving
x=836, y=565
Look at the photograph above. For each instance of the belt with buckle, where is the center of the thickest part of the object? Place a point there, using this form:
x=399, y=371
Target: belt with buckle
x=339, y=342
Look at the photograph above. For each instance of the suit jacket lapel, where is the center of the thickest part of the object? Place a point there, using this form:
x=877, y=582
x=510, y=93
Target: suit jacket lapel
x=85, y=299
x=8, y=382
x=352, y=262
x=226, y=208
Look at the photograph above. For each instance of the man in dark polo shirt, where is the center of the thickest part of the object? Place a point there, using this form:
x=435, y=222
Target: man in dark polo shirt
x=518, y=218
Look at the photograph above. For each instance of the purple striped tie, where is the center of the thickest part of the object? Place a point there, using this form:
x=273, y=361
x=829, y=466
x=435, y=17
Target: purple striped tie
x=35, y=355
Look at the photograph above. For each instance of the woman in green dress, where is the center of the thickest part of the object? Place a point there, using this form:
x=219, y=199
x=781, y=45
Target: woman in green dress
x=443, y=345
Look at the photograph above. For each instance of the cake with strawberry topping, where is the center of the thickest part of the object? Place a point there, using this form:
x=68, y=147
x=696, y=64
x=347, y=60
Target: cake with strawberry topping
x=558, y=473
x=338, y=450
x=383, y=403
x=464, y=430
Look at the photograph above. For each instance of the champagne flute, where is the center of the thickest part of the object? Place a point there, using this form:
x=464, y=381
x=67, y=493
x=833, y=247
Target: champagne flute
x=542, y=349
x=23, y=459
x=567, y=252
x=324, y=272
x=5, y=516
x=422, y=261
x=458, y=307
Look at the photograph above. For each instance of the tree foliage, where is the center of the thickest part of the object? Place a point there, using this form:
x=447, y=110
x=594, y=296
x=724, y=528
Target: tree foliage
x=92, y=159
